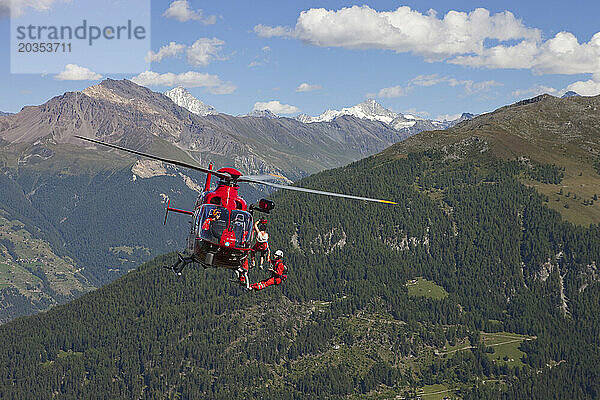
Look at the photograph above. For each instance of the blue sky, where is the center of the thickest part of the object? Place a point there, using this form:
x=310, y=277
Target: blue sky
x=432, y=58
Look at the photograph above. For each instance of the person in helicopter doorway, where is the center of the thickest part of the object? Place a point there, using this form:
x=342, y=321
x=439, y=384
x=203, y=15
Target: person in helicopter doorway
x=278, y=273
x=262, y=243
x=214, y=215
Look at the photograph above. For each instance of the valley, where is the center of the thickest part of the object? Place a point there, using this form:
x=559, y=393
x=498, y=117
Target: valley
x=473, y=286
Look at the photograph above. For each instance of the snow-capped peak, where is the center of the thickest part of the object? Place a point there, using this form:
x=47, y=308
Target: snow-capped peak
x=183, y=98
x=372, y=110
x=369, y=109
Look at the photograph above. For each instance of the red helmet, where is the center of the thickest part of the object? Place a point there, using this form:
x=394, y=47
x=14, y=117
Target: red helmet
x=263, y=221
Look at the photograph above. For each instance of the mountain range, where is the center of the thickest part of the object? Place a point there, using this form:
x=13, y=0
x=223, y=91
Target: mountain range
x=369, y=110
x=53, y=185
x=481, y=283
x=123, y=112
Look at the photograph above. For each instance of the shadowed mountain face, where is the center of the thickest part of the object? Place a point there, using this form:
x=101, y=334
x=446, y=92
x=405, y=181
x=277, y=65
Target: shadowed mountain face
x=94, y=214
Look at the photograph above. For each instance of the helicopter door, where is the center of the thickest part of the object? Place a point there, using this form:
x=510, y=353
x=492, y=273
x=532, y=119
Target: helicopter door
x=241, y=225
x=212, y=222
x=194, y=228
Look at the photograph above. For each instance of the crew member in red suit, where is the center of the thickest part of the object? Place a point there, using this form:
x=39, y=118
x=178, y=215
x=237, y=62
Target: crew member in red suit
x=242, y=275
x=278, y=273
x=215, y=214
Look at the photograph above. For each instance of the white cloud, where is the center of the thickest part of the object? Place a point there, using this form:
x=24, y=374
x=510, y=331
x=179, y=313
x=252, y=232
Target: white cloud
x=204, y=50
x=585, y=88
x=447, y=117
x=470, y=87
x=188, y=79
x=269, y=31
x=171, y=50
x=275, y=107
x=403, y=30
x=201, y=53
x=520, y=56
x=306, y=87
x=181, y=11
x=73, y=72
x=16, y=8
x=562, y=54
x=391, y=92
x=427, y=80
x=262, y=58
x=457, y=37
x=534, y=90
x=223, y=88
x=414, y=111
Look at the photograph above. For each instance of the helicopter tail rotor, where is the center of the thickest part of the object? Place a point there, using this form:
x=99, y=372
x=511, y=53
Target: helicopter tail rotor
x=167, y=211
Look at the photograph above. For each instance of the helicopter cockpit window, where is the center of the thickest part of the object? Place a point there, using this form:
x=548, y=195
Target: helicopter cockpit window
x=212, y=222
x=241, y=224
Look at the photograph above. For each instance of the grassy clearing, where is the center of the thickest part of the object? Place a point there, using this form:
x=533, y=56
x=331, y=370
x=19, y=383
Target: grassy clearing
x=421, y=287
x=129, y=250
x=435, y=392
x=506, y=347
x=572, y=192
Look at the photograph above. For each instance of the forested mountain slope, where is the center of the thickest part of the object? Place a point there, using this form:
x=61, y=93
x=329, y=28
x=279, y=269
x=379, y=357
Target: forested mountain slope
x=510, y=309
x=97, y=214
x=564, y=132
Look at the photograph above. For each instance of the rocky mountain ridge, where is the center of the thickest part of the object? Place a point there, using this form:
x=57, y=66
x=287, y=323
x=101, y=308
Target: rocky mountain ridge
x=368, y=110
x=122, y=112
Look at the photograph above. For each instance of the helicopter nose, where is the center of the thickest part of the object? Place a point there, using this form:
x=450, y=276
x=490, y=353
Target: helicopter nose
x=228, y=239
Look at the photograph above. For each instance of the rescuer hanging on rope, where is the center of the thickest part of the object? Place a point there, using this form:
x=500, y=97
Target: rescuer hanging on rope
x=278, y=273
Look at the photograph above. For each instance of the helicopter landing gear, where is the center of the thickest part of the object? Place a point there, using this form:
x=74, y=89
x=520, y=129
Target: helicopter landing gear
x=180, y=263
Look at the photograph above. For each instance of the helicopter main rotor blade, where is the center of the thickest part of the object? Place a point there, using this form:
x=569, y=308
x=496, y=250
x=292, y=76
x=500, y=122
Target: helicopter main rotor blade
x=301, y=189
x=153, y=157
x=265, y=177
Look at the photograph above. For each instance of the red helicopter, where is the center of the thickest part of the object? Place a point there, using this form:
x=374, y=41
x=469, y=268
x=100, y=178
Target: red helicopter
x=222, y=231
